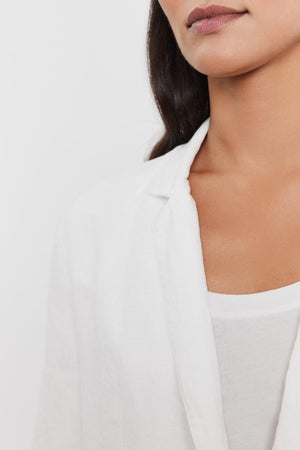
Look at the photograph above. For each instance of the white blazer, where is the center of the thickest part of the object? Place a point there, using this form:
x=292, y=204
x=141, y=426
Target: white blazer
x=130, y=357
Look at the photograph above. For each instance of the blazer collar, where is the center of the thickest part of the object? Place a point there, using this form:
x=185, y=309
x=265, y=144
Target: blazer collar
x=173, y=167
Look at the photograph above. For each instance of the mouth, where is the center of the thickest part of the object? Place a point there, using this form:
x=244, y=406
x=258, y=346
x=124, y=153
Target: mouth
x=209, y=12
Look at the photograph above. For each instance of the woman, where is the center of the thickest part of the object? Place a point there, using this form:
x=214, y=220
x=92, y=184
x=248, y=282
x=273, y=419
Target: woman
x=159, y=337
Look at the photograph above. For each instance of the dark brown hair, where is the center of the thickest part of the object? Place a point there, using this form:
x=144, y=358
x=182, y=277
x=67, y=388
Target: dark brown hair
x=180, y=91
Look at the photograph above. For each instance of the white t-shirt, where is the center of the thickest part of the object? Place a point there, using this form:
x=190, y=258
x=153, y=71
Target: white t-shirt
x=254, y=336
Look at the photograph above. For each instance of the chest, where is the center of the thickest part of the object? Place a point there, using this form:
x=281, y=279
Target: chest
x=250, y=237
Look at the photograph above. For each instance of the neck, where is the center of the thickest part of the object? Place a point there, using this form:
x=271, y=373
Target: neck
x=254, y=119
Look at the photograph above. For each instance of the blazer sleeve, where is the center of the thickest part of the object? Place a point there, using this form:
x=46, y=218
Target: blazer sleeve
x=58, y=421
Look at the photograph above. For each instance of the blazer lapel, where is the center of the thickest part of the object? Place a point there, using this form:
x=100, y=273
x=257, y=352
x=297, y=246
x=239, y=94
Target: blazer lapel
x=188, y=321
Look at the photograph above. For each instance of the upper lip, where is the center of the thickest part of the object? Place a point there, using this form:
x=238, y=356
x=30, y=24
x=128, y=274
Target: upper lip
x=210, y=11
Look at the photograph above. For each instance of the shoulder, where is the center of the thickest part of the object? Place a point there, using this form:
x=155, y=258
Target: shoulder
x=114, y=196
x=118, y=190
x=100, y=216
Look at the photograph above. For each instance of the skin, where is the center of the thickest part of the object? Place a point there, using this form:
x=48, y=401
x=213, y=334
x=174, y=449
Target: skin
x=245, y=179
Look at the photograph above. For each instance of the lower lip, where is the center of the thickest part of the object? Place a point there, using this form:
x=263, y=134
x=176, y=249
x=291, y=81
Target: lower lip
x=212, y=24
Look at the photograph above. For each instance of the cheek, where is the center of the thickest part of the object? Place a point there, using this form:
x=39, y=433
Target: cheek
x=277, y=26
x=168, y=7
x=176, y=12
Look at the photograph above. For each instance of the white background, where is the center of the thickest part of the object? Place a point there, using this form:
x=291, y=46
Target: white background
x=75, y=103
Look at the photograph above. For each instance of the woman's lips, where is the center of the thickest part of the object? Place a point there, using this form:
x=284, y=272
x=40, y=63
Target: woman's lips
x=208, y=12
x=209, y=25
